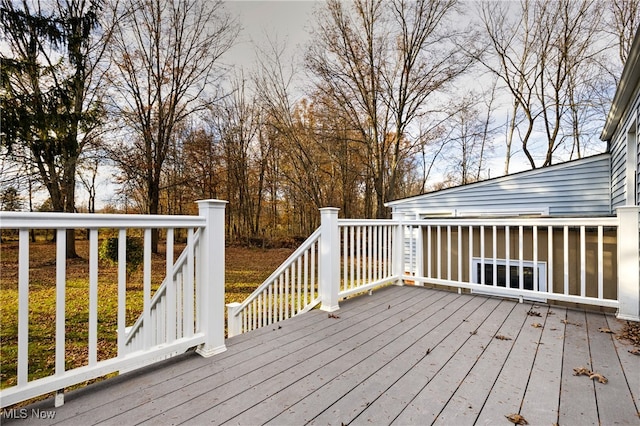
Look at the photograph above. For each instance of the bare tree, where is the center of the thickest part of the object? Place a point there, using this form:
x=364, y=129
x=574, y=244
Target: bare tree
x=237, y=120
x=166, y=59
x=296, y=157
x=548, y=54
x=381, y=61
x=88, y=175
x=511, y=38
x=470, y=138
x=203, y=156
x=623, y=23
x=567, y=46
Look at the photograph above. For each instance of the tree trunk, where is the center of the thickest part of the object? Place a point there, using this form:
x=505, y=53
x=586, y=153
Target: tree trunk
x=69, y=192
x=154, y=203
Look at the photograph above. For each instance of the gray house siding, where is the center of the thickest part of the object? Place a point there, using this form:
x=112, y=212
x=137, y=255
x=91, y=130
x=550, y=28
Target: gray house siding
x=618, y=169
x=579, y=187
x=619, y=150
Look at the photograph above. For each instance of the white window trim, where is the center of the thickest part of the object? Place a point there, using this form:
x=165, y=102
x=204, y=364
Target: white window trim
x=631, y=165
x=538, y=211
x=436, y=214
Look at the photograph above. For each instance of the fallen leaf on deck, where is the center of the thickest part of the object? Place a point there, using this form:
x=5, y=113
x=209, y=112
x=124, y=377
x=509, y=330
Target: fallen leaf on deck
x=536, y=325
x=333, y=316
x=635, y=351
x=550, y=313
x=605, y=330
x=567, y=322
x=598, y=376
x=517, y=419
x=532, y=313
x=501, y=337
x=581, y=371
x=473, y=332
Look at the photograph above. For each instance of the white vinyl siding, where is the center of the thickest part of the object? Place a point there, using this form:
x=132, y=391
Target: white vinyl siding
x=580, y=187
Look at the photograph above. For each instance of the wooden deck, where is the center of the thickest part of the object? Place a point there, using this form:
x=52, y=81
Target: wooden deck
x=405, y=355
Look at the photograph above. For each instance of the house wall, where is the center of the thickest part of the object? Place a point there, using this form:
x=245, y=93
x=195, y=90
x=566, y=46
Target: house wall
x=579, y=187
x=625, y=157
x=461, y=254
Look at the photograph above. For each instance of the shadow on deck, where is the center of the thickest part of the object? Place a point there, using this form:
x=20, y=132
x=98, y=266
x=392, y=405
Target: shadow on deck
x=405, y=355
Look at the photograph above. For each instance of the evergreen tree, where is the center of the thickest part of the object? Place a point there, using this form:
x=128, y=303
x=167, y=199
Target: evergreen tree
x=47, y=100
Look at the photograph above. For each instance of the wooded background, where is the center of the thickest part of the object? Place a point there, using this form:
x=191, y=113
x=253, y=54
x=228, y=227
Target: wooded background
x=399, y=97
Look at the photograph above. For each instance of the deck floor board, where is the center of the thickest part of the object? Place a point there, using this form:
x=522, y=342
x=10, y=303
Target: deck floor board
x=372, y=382
x=468, y=400
x=506, y=392
x=614, y=400
x=431, y=399
x=577, y=393
x=541, y=396
x=405, y=355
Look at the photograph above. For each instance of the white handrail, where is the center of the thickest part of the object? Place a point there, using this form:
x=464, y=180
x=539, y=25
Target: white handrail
x=487, y=264
x=365, y=264
x=55, y=220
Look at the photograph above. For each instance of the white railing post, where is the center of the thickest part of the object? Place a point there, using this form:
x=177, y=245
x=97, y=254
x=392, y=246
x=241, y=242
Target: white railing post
x=628, y=263
x=234, y=322
x=210, y=275
x=329, y=259
x=398, y=248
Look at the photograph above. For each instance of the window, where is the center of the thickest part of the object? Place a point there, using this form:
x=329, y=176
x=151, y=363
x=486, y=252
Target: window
x=514, y=273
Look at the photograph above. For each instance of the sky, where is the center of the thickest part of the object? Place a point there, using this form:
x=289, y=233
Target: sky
x=288, y=20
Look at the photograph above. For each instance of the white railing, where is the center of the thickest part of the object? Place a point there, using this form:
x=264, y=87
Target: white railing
x=571, y=260
x=171, y=321
x=590, y=261
x=340, y=259
x=367, y=255
x=584, y=260
x=290, y=290
x=171, y=309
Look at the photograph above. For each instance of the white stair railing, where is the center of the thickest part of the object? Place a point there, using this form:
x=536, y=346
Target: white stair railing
x=172, y=303
x=340, y=259
x=290, y=290
x=186, y=311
